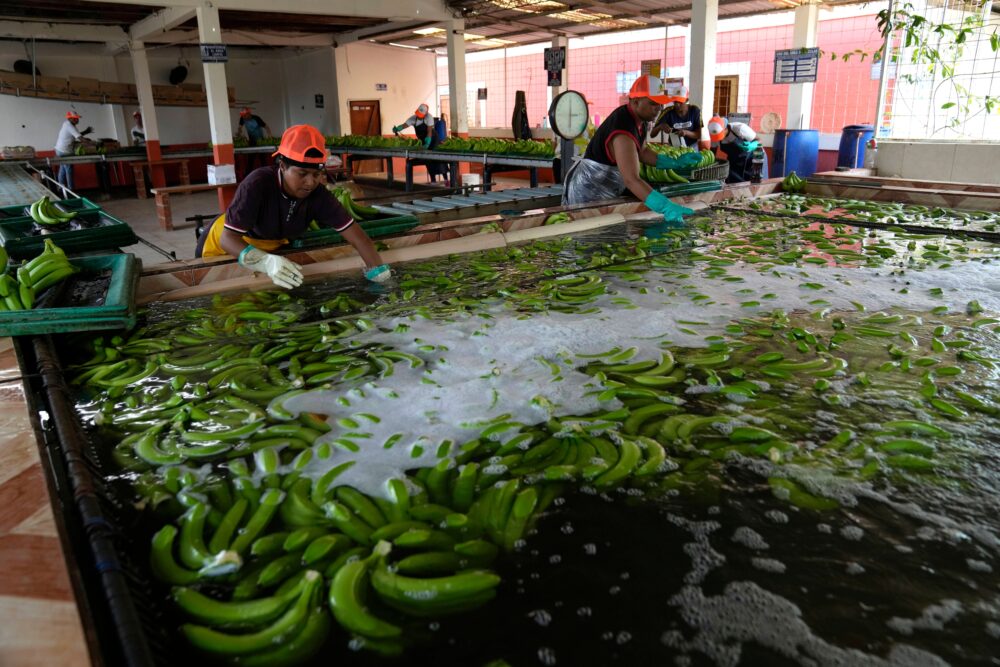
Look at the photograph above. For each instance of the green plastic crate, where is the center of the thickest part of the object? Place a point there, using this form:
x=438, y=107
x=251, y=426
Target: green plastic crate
x=117, y=311
x=677, y=189
x=80, y=204
x=20, y=238
x=373, y=228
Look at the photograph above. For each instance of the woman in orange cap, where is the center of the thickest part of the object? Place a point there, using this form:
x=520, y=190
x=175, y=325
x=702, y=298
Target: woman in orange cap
x=276, y=204
x=610, y=164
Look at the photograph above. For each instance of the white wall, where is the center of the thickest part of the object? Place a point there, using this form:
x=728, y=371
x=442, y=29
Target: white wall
x=964, y=162
x=410, y=77
x=305, y=75
x=256, y=75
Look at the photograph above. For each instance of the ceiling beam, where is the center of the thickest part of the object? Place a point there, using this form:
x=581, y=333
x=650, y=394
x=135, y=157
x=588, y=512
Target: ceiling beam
x=245, y=38
x=428, y=10
x=371, y=32
x=160, y=22
x=63, y=32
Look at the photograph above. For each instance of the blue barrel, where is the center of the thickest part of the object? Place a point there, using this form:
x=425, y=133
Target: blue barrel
x=795, y=150
x=852, y=145
x=441, y=129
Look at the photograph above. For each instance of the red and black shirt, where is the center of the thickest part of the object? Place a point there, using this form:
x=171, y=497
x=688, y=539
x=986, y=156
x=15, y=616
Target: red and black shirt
x=621, y=121
x=261, y=210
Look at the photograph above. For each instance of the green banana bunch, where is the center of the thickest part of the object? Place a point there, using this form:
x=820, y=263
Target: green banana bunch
x=4, y=259
x=33, y=276
x=793, y=183
x=356, y=211
x=44, y=212
x=556, y=218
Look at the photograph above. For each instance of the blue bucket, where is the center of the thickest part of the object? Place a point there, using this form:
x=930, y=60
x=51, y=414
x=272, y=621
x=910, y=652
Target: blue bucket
x=795, y=150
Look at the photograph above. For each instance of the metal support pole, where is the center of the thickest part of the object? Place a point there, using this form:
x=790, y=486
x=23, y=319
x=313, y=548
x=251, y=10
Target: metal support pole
x=883, y=80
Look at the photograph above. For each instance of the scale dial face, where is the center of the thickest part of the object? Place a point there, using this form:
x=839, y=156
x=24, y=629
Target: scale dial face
x=568, y=114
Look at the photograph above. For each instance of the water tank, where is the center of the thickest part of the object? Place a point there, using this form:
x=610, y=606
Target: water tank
x=441, y=129
x=795, y=150
x=852, y=145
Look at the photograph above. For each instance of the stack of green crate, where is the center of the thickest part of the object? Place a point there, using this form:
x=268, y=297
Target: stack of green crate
x=93, y=229
x=116, y=309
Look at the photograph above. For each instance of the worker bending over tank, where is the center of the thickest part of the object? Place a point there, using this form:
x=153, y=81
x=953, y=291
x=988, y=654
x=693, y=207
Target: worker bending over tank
x=610, y=165
x=275, y=204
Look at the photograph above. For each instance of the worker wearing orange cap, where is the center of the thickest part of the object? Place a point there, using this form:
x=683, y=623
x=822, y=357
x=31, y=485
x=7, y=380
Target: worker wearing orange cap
x=65, y=145
x=422, y=123
x=138, y=132
x=277, y=203
x=254, y=129
x=610, y=165
x=681, y=120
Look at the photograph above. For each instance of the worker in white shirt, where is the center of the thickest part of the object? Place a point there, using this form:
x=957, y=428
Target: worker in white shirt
x=138, y=131
x=68, y=137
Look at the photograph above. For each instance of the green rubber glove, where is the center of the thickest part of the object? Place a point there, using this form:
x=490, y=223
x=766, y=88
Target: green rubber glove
x=685, y=161
x=657, y=201
x=749, y=146
x=427, y=142
x=397, y=128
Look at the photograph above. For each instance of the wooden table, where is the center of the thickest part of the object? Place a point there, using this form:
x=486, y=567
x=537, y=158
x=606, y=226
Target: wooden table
x=140, y=178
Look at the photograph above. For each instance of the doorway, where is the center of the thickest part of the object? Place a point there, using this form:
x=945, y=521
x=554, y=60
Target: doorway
x=726, y=94
x=366, y=121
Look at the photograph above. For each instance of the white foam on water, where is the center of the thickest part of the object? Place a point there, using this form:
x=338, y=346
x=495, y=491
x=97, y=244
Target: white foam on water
x=933, y=617
x=769, y=565
x=978, y=565
x=747, y=613
x=855, y=568
x=853, y=533
x=750, y=538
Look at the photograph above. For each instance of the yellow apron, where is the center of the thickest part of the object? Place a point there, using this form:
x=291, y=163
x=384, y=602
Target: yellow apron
x=213, y=245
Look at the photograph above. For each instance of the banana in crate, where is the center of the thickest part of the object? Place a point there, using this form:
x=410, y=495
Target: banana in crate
x=654, y=175
x=45, y=213
x=33, y=276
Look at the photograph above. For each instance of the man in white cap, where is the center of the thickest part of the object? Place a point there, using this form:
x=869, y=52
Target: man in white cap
x=681, y=120
x=738, y=141
x=610, y=165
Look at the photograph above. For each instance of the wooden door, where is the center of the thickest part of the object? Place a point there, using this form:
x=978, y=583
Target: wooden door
x=366, y=120
x=726, y=94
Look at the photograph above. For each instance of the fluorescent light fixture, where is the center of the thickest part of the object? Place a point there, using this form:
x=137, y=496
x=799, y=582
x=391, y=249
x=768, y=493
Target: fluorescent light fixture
x=404, y=46
x=428, y=31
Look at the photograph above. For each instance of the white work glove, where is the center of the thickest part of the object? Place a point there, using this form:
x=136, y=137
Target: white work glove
x=282, y=272
x=379, y=274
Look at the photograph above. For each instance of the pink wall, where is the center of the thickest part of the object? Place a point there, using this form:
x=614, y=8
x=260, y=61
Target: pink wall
x=844, y=94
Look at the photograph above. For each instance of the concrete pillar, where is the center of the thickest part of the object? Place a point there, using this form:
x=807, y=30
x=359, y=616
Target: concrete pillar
x=456, y=78
x=209, y=32
x=701, y=45
x=800, y=95
x=144, y=89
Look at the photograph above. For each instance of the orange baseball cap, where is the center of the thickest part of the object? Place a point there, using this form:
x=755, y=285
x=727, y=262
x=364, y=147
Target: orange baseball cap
x=303, y=145
x=649, y=86
x=717, y=128
x=72, y=115
x=678, y=93
x=421, y=111
x=246, y=111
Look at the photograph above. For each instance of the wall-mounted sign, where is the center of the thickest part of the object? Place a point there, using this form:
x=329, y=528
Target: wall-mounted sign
x=555, y=58
x=651, y=67
x=480, y=93
x=381, y=87
x=214, y=53
x=796, y=65
x=319, y=100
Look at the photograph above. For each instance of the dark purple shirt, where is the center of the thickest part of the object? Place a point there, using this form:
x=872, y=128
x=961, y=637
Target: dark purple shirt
x=261, y=210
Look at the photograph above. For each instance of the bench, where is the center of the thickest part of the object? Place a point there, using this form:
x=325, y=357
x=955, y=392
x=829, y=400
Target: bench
x=140, y=178
x=163, y=200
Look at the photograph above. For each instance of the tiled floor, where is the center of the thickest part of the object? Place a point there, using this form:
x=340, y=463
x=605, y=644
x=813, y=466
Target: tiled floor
x=41, y=625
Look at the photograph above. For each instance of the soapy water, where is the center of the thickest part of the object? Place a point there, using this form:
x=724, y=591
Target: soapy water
x=725, y=572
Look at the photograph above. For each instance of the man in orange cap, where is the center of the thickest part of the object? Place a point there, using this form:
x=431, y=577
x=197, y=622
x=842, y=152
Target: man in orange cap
x=610, y=165
x=681, y=119
x=65, y=144
x=254, y=129
x=138, y=133
x=276, y=204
